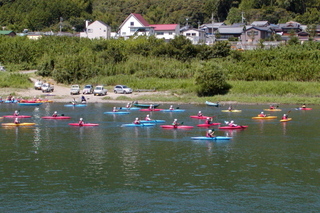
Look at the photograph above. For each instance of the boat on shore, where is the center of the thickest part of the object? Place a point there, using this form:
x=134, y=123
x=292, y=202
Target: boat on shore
x=212, y=103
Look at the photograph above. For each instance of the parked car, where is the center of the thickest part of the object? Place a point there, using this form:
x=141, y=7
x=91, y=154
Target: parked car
x=38, y=85
x=100, y=90
x=46, y=87
x=88, y=89
x=75, y=90
x=122, y=89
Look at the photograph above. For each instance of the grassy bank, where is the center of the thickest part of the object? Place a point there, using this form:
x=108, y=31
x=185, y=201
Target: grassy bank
x=242, y=91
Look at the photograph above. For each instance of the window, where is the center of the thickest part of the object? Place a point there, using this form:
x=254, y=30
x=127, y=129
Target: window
x=170, y=33
x=193, y=34
x=123, y=33
x=160, y=33
x=188, y=34
x=90, y=30
x=131, y=23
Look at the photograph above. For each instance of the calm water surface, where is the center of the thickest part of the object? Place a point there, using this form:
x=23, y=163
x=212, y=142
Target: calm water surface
x=53, y=167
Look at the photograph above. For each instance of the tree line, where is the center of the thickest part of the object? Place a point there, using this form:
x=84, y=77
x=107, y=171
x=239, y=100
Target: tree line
x=69, y=15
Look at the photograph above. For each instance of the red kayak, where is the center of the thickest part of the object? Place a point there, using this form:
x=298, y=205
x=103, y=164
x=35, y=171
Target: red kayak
x=58, y=117
x=304, y=108
x=233, y=127
x=85, y=124
x=207, y=125
x=199, y=117
x=150, y=110
x=176, y=127
x=17, y=116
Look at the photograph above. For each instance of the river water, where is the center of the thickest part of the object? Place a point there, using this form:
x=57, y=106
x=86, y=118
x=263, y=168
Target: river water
x=53, y=167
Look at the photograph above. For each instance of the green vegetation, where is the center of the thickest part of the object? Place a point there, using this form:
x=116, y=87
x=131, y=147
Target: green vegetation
x=14, y=80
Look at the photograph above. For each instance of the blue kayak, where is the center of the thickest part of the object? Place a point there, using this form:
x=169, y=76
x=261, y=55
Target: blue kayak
x=75, y=105
x=138, y=125
x=117, y=112
x=15, y=101
x=173, y=110
x=29, y=104
x=153, y=121
x=131, y=108
x=209, y=138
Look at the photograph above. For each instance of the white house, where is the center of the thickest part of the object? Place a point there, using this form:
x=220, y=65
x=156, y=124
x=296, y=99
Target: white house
x=96, y=30
x=166, y=31
x=134, y=25
x=195, y=35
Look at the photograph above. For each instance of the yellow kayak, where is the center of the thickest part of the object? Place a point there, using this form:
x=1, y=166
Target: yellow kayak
x=19, y=124
x=267, y=117
x=285, y=120
x=233, y=110
x=273, y=110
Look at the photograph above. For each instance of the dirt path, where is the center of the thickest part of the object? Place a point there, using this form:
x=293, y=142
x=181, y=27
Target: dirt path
x=61, y=93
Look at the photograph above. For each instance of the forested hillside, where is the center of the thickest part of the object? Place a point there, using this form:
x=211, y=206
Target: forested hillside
x=37, y=15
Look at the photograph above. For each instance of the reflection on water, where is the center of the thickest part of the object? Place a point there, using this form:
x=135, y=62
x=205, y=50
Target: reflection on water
x=95, y=168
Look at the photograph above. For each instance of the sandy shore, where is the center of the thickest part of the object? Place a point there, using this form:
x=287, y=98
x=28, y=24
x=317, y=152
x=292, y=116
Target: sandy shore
x=61, y=93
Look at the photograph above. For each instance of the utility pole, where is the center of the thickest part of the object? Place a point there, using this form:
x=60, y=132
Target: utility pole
x=60, y=25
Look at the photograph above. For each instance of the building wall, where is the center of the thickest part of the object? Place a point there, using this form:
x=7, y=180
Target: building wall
x=168, y=34
x=127, y=28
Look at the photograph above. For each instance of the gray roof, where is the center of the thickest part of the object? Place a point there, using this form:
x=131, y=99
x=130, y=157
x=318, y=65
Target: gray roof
x=230, y=30
x=260, y=23
x=210, y=25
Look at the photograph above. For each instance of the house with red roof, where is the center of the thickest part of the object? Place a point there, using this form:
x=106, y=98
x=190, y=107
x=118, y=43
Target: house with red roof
x=135, y=25
x=166, y=31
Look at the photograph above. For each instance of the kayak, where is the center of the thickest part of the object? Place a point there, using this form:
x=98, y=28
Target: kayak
x=211, y=138
x=176, y=127
x=212, y=104
x=131, y=108
x=285, y=120
x=153, y=121
x=117, y=112
x=272, y=110
x=85, y=124
x=267, y=117
x=233, y=127
x=199, y=117
x=300, y=108
x=75, y=105
x=58, y=117
x=29, y=104
x=207, y=125
x=150, y=110
x=17, y=116
x=233, y=110
x=173, y=110
x=145, y=105
x=14, y=101
x=138, y=125
x=19, y=124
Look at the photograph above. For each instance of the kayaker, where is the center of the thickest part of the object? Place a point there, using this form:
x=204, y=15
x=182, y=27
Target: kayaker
x=114, y=109
x=81, y=122
x=175, y=122
x=136, y=121
x=83, y=100
x=148, y=118
x=271, y=106
x=303, y=106
x=285, y=116
x=262, y=114
x=16, y=113
x=210, y=133
x=230, y=108
x=74, y=102
x=208, y=120
x=151, y=107
x=200, y=114
x=16, y=121
x=55, y=114
x=171, y=107
x=128, y=105
x=232, y=124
